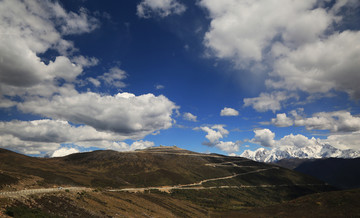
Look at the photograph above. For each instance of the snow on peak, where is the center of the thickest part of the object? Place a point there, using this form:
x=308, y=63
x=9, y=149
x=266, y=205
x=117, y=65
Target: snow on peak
x=313, y=151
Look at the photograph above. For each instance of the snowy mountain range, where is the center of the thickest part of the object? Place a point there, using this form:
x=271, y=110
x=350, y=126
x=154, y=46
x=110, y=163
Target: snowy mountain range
x=317, y=151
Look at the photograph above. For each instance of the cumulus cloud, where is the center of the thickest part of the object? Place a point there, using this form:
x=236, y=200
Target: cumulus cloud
x=337, y=121
x=26, y=147
x=30, y=28
x=162, y=8
x=229, y=112
x=282, y=120
x=57, y=131
x=48, y=87
x=264, y=137
x=232, y=33
x=123, y=113
x=344, y=140
x=37, y=136
x=228, y=147
x=64, y=151
x=214, y=134
x=140, y=145
x=304, y=45
x=297, y=141
x=321, y=66
x=190, y=117
x=268, y=101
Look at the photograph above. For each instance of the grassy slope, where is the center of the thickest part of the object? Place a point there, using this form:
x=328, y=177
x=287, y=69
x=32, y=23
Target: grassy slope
x=110, y=169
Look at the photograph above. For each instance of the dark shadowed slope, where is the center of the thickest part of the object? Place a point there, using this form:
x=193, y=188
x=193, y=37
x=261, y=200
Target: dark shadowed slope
x=342, y=173
x=327, y=204
x=339, y=172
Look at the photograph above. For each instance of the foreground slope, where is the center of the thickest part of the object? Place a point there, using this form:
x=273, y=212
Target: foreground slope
x=327, y=204
x=209, y=182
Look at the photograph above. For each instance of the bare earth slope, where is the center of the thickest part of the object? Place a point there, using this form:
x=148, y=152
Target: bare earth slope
x=167, y=178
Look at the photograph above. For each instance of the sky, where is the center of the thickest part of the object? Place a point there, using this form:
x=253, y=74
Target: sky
x=204, y=75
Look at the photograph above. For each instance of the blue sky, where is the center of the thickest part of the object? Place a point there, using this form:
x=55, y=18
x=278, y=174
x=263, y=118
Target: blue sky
x=205, y=75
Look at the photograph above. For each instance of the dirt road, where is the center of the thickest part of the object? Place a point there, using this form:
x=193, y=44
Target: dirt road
x=14, y=194
x=196, y=185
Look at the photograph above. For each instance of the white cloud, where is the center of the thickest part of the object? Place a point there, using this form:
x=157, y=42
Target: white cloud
x=141, y=145
x=26, y=147
x=158, y=87
x=119, y=146
x=345, y=140
x=73, y=23
x=321, y=66
x=114, y=77
x=34, y=137
x=47, y=87
x=243, y=30
x=282, y=120
x=64, y=151
x=228, y=147
x=229, y=112
x=29, y=28
x=268, y=101
x=337, y=121
x=214, y=134
x=56, y=131
x=298, y=42
x=124, y=113
x=95, y=82
x=162, y=8
x=85, y=61
x=264, y=137
x=6, y=103
x=190, y=117
x=296, y=141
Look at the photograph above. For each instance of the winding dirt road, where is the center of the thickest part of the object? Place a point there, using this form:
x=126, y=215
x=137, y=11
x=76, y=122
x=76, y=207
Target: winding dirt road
x=168, y=189
x=196, y=185
x=26, y=192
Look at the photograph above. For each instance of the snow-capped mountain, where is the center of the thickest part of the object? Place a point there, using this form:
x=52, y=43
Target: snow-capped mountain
x=317, y=151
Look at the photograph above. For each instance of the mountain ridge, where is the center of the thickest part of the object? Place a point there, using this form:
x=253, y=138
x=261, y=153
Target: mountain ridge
x=207, y=181
x=309, y=152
